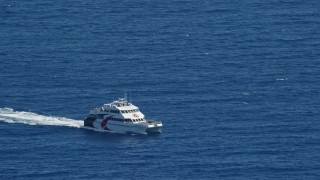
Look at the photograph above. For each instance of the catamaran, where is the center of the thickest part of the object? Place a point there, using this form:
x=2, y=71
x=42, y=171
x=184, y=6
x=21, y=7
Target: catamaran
x=121, y=116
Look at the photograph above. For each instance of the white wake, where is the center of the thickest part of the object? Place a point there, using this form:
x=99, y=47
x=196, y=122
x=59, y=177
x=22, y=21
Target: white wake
x=10, y=116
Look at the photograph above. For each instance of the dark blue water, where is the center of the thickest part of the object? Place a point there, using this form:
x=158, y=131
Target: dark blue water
x=235, y=83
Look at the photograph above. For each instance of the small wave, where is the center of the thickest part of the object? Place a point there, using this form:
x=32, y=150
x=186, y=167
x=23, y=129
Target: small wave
x=10, y=116
x=282, y=79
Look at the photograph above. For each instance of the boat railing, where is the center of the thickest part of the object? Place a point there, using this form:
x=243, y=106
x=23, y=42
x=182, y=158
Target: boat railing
x=153, y=122
x=100, y=109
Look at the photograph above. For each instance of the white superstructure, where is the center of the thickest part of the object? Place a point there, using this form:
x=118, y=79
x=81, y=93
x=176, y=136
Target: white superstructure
x=121, y=116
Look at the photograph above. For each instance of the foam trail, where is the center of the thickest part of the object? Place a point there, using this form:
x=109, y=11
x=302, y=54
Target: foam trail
x=10, y=116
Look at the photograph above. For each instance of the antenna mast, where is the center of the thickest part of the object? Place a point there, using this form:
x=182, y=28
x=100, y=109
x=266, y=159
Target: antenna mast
x=130, y=96
x=125, y=95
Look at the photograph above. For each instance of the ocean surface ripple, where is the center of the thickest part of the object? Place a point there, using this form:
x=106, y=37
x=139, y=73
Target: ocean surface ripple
x=235, y=83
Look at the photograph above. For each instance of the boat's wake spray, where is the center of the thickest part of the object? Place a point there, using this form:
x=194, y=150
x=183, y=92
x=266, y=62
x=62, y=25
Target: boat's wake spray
x=10, y=116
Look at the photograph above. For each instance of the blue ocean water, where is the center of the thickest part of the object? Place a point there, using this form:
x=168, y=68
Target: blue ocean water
x=235, y=83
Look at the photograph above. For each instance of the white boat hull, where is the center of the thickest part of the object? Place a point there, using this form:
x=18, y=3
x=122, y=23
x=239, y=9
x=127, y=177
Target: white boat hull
x=139, y=128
